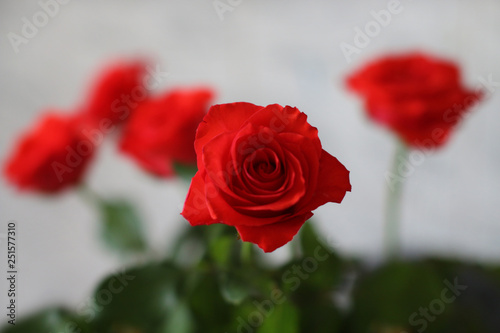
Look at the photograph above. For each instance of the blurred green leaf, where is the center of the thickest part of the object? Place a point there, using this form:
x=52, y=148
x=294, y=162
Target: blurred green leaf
x=190, y=246
x=121, y=227
x=140, y=298
x=273, y=313
x=210, y=311
x=222, y=249
x=309, y=238
x=311, y=279
x=395, y=296
x=494, y=273
x=262, y=281
x=284, y=318
x=318, y=314
x=51, y=320
x=179, y=321
x=477, y=308
x=234, y=289
x=319, y=267
x=185, y=171
x=217, y=241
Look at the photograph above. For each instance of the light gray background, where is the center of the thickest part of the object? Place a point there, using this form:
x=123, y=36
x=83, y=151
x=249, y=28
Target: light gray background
x=263, y=52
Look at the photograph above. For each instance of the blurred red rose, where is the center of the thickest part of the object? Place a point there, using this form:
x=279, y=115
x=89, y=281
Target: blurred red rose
x=419, y=97
x=116, y=93
x=52, y=156
x=163, y=129
x=262, y=170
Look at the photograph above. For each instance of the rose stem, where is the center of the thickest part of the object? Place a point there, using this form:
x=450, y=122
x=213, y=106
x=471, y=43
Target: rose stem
x=393, y=202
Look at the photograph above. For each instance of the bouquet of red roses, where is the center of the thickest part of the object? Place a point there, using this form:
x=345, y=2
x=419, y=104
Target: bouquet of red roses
x=255, y=174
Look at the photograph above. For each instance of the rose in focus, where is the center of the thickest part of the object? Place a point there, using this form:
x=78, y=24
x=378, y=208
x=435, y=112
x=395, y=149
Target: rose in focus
x=419, y=97
x=162, y=130
x=261, y=170
x=51, y=157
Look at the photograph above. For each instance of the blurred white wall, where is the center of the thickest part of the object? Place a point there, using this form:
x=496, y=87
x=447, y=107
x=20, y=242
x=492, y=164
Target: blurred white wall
x=264, y=52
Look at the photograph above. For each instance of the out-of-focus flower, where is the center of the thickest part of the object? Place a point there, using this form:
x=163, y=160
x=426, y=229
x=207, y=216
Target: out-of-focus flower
x=117, y=92
x=52, y=156
x=162, y=130
x=262, y=170
x=417, y=96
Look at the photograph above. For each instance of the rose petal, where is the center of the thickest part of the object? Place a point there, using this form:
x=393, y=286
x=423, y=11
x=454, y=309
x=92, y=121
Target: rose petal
x=272, y=236
x=222, y=208
x=286, y=120
x=246, y=142
x=333, y=182
x=195, y=207
x=295, y=190
x=219, y=168
x=222, y=118
x=309, y=157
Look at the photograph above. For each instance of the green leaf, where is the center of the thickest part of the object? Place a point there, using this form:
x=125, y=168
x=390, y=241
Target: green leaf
x=49, y=320
x=477, y=307
x=179, y=320
x=221, y=249
x=391, y=297
x=318, y=314
x=494, y=273
x=190, y=245
x=185, y=171
x=284, y=318
x=319, y=268
x=309, y=238
x=139, y=299
x=274, y=313
x=432, y=296
x=121, y=228
x=234, y=289
x=210, y=311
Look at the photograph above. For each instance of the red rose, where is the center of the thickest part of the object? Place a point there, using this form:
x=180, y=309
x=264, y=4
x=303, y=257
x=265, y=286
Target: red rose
x=163, y=129
x=116, y=93
x=418, y=97
x=262, y=170
x=51, y=157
